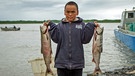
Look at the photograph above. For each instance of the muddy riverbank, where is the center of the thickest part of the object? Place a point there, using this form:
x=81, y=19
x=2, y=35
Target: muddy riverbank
x=125, y=71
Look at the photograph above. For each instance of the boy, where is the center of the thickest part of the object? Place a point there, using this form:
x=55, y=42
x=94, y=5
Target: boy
x=70, y=35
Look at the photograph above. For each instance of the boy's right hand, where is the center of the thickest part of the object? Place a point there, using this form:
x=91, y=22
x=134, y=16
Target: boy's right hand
x=96, y=24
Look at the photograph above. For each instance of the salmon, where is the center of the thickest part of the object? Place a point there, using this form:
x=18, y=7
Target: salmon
x=46, y=49
x=97, y=48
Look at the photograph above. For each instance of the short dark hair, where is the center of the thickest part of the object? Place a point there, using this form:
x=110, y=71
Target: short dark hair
x=72, y=3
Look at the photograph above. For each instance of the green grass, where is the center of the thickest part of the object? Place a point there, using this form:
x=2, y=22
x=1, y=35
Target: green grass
x=56, y=21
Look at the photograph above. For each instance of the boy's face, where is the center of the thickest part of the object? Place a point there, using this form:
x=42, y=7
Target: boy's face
x=71, y=12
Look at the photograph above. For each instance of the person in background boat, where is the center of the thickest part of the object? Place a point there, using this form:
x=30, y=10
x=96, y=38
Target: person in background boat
x=15, y=27
x=70, y=35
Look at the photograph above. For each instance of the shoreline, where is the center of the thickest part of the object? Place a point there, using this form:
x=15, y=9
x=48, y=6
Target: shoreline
x=56, y=21
x=125, y=71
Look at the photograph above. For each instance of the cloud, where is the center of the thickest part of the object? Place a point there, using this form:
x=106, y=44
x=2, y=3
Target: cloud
x=54, y=9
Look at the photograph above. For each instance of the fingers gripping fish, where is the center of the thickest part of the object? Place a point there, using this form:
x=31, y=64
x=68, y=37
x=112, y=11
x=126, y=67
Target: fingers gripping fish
x=46, y=49
x=97, y=48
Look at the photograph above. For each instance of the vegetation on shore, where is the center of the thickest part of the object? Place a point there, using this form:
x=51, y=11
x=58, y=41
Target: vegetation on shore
x=56, y=21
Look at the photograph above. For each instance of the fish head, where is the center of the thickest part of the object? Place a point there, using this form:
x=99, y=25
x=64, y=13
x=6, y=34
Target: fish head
x=43, y=28
x=100, y=30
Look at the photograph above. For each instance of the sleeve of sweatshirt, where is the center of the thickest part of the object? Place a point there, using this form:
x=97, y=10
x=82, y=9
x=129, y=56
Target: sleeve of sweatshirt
x=54, y=32
x=87, y=32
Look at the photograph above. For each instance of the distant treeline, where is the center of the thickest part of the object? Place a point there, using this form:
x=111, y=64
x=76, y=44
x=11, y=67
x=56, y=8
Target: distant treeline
x=19, y=22
x=104, y=21
x=56, y=21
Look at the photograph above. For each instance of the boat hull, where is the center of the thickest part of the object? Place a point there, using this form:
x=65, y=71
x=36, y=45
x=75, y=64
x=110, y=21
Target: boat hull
x=10, y=29
x=127, y=39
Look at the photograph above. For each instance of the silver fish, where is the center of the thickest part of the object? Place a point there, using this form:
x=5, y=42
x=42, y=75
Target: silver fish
x=46, y=49
x=131, y=72
x=97, y=48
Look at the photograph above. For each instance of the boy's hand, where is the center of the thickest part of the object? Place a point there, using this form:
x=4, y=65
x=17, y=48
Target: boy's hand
x=46, y=23
x=96, y=24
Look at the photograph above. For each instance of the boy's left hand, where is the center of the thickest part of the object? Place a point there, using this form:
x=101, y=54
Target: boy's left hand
x=46, y=23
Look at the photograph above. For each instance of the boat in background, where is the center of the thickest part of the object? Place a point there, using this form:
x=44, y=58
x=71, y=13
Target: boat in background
x=14, y=28
x=126, y=31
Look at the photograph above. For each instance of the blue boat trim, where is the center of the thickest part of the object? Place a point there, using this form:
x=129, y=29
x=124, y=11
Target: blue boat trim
x=127, y=39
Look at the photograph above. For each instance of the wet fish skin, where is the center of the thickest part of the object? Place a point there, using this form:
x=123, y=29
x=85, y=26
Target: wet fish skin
x=97, y=48
x=46, y=49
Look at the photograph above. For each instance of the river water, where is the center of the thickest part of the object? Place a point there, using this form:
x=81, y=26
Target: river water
x=18, y=47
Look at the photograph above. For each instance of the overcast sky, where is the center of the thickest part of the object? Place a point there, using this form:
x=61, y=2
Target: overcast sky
x=54, y=9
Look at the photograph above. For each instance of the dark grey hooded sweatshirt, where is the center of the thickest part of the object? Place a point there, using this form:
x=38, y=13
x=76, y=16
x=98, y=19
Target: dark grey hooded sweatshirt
x=70, y=38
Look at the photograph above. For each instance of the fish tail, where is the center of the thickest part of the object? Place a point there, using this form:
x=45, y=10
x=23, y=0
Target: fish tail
x=49, y=71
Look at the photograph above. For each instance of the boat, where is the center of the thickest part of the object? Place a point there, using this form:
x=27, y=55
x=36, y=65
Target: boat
x=14, y=28
x=125, y=32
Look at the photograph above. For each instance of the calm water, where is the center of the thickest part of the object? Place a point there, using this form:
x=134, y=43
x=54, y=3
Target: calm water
x=18, y=47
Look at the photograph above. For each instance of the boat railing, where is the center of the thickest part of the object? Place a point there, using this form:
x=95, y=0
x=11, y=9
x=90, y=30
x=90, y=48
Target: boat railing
x=127, y=31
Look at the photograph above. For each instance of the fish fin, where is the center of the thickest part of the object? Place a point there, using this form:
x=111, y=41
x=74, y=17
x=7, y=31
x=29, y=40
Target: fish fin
x=93, y=60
